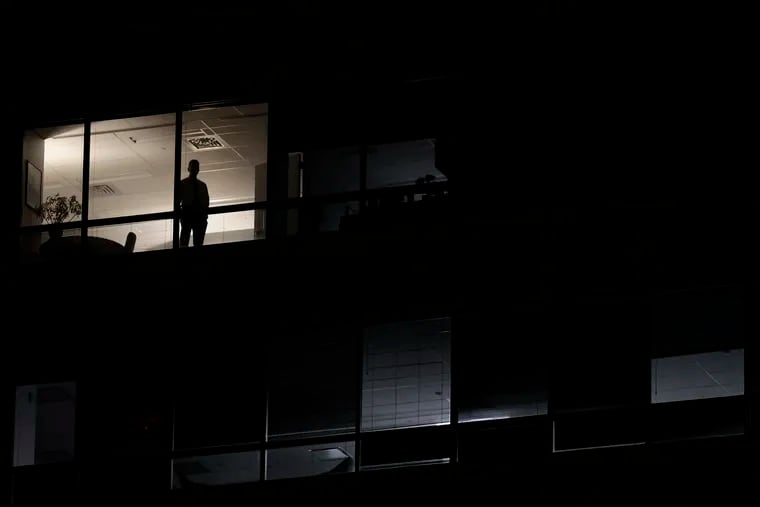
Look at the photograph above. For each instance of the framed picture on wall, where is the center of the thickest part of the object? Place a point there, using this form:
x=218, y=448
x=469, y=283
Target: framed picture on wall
x=33, y=187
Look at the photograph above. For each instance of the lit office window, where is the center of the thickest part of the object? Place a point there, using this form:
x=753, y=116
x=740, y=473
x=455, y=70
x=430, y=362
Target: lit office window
x=51, y=168
x=134, y=237
x=406, y=379
x=132, y=166
x=313, y=387
x=44, y=423
x=233, y=227
x=216, y=470
x=698, y=376
x=52, y=164
x=309, y=460
x=230, y=145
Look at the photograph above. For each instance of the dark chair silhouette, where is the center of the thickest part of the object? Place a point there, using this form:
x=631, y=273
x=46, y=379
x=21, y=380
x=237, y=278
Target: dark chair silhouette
x=73, y=246
x=129, y=244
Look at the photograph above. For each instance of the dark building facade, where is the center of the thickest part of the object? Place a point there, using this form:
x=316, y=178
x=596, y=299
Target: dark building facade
x=447, y=253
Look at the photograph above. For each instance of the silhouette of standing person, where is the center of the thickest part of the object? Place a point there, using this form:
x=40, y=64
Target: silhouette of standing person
x=194, y=205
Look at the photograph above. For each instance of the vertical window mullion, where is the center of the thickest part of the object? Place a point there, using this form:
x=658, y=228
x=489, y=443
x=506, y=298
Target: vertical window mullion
x=359, y=398
x=86, y=178
x=265, y=358
x=177, y=176
x=454, y=390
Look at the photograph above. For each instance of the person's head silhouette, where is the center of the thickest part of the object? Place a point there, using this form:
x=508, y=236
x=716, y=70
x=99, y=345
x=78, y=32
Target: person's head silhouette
x=193, y=167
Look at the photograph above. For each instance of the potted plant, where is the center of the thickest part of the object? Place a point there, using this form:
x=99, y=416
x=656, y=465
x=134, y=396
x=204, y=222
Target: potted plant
x=57, y=209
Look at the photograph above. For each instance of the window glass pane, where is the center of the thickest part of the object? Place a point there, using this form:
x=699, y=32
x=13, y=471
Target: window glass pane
x=330, y=171
x=150, y=235
x=44, y=423
x=599, y=428
x=595, y=371
x=309, y=460
x=216, y=470
x=127, y=419
x=708, y=417
x=219, y=410
x=132, y=166
x=418, y=446
x=232, y=227
x=313, y=386
x=518, y=441
x=333, y=215
x=405, y=163
x=698, y=320
x=126, y=423
x=52, y=164
x=230, y=145
x=698, y=376
x=315, y=217
x=502, y=366
x=406, y=379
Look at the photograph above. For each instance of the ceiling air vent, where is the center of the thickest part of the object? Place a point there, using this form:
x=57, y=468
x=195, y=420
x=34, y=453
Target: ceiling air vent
x=102, y=190
x=202, y=143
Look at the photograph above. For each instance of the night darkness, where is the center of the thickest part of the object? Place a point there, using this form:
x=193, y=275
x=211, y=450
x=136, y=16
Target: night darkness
x=557, y=314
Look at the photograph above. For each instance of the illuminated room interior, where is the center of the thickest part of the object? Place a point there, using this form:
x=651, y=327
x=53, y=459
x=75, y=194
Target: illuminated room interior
x=132, y=169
